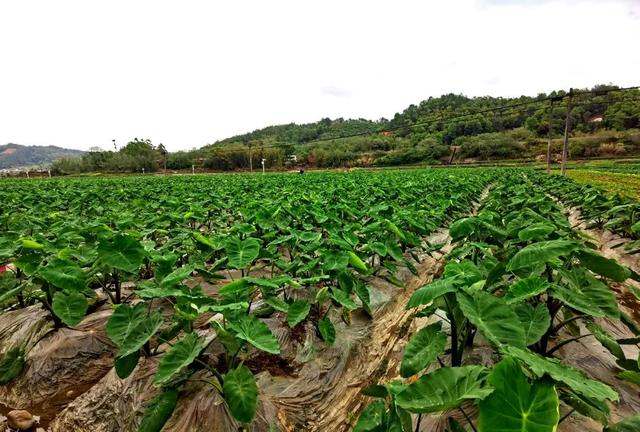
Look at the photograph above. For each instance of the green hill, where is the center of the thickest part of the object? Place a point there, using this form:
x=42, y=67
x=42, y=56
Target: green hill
x=20, y=156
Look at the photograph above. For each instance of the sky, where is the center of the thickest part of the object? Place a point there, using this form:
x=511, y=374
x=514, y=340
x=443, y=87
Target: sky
x=78, y=74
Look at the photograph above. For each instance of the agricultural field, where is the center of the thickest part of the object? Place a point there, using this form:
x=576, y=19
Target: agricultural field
x=416, y=300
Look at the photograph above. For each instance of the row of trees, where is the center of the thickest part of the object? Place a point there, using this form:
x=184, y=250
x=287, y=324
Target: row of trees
x=136, y=156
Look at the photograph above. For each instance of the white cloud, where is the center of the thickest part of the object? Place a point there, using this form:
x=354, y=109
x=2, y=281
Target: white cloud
x=79, y=73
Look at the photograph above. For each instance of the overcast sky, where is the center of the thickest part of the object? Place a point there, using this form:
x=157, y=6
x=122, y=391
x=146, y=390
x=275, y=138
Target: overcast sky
x=186, y=73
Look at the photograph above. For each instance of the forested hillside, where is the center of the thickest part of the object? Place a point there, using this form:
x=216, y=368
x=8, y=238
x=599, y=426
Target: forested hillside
x=16, y=155
x=603, y=122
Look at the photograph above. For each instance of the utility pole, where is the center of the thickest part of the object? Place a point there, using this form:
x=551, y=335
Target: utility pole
x=250, y=159
x=565, y=141
x=549, y=143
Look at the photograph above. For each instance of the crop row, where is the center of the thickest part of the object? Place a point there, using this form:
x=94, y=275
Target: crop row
x=521, y=283
x=168, y=253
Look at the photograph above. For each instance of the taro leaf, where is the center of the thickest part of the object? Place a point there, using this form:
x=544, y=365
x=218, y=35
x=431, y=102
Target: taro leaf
x=241, y=394
x=517, y=405
x=297, y=312
x=365, y=297
x=444, y=388
x=573, y=378
x=603, y=266
x=337, y=261
x=536, y=232
x=130, y=328
x=631, y=376
x=70, y=308
x=422, y=349
x=64, y=274
x=31, y=245
x=535, y=321
x=526, y=288
x=577, y=300
x=462, y=227
x=11, y=364
x=629, y=424
x=378, y=248
x=158, y=411
x=601, y=295
x=357, y=263
x=540, y=253
x=202, y=241
x=181, y=355
x=493, y=317
x=597, y=410
x=122, y=252
x=375, y=390
x=176, y=277
x=465, y=271
x=277, y=303
x=372, y=418
x=343, y=299
x=432, y=291
x=242, y=252
x=605, y=339
x=125, y=365
x=327, y=331
x=254, y=331
x=236, y=287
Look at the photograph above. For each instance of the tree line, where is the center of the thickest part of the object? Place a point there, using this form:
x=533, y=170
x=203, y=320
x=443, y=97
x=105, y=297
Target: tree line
x=480, y=127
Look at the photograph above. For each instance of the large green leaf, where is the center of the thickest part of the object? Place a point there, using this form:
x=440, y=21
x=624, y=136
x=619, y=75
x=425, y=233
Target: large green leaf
x=327, y=330
x=537, y=231
x=242, y=253
x=254, y=331
x=517, y=405
x=181, y=355
x=122, y=252
x=357, y=263
x=130, y=327
x=603, y=266
x=343, y=299
x=70, y=308
x=422, y=349
x=337, y=261
x=535, y=321
x=11, y=364
x=573, y=378
x=526, y=288
x=493, y=317
x=64, y=274
x=158, y=411
x=540, y=253
x=577, y=300
x=372, y=418
x=605, y=339
x=298, y=311
x=443, y=389
x=241, y=393
x=125, y=365
x=432, y=291
x=176, y=277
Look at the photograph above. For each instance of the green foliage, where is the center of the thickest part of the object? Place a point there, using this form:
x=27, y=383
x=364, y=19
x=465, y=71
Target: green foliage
x=158, y=411
x=516, y=404
x=11, y=364
x=241, y=394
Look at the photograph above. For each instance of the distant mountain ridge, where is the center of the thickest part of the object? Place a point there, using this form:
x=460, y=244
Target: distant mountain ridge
x=21, y=156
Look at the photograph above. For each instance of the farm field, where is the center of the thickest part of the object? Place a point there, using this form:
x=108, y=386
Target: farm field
x=474, y=299
x=625, y=183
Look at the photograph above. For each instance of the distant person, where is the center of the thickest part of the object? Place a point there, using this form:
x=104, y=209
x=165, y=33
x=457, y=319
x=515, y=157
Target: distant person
x=301, y=171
